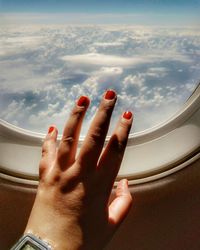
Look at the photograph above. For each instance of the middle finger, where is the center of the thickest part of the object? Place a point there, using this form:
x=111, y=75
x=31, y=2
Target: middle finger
x=94, y=141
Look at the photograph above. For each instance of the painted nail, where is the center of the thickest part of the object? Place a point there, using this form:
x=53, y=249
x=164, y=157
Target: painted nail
x=51, y=129
x=83, y=101
x=127, y=115
x=110, y=94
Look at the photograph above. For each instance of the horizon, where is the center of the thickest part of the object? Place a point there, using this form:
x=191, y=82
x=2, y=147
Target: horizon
x=135, y=12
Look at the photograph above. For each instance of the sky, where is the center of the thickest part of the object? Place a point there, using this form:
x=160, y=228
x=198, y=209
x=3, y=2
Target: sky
x=112, y=11
x=114, y=6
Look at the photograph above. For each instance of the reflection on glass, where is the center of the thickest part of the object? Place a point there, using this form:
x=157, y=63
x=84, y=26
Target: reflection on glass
x=48, y=60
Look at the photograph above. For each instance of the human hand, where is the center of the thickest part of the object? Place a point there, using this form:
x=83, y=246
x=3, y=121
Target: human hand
x=71, y=209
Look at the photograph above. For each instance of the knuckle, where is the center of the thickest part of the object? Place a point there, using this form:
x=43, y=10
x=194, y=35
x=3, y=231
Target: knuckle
x=42, y=167
x=64, y=149
x=69, y=140
x=55, y=178
x=65, y=145
x=44, y=151
x=119, y=145
x=96, y=136
x=46, y=144
x=124, y=128
x=106, y=107
x=77, y=112
x=123, y=124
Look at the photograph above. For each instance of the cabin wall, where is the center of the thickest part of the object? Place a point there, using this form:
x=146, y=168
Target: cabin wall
x=165, y=214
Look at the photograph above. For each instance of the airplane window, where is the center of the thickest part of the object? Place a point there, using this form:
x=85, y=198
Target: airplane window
x=50, y=54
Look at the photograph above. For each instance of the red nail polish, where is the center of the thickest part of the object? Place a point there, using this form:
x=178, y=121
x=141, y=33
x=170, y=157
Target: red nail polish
x=110, y=94
x=51, y=129
x=83, y=101
x=127, y=115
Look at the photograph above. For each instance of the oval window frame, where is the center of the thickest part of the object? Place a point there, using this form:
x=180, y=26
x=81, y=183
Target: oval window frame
x=15, y=139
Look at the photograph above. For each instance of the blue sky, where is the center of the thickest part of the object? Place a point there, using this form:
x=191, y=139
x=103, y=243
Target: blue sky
x=96, y=6
x=138, y=12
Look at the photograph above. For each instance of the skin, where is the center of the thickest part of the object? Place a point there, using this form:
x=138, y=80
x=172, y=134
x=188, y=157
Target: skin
x=72, y=209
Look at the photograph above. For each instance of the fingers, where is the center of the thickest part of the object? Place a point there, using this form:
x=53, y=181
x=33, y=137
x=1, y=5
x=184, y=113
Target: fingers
x=121, y=205
x=68, y=145
x=48, y=149
x=94, y=141
x=112, y=156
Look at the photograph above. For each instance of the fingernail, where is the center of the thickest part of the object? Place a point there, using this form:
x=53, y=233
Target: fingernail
x=83, y=101
x=110, y=94
x=51, y=129
x=127, y=115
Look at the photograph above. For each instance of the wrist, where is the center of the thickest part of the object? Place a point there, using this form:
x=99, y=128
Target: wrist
x=57, y=238
x=60, y=231
x=31, y=242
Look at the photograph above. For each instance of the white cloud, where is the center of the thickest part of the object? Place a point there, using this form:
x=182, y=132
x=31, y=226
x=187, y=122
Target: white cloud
x=44, y=69
x=108, y=44
x=134, y=80
x=190, y=86
x=13, y=45
x=157, y=71
x=113, y=61
x=102, y=60
x=13, y=111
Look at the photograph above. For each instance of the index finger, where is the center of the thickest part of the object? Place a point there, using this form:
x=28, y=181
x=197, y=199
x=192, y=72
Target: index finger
x=68, y=144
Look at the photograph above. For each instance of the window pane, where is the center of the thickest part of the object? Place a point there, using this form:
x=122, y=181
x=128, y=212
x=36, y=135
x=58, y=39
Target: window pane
x=150, y=54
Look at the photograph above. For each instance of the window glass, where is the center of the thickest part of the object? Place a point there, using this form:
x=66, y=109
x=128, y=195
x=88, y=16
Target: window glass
x=51, y=53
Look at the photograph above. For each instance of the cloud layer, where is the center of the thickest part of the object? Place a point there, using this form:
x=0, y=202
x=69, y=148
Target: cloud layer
x=44, y=69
